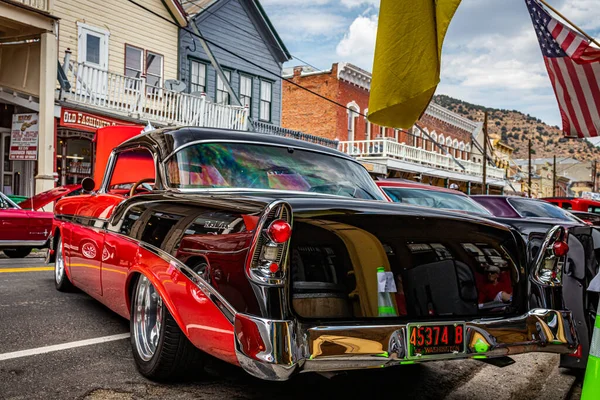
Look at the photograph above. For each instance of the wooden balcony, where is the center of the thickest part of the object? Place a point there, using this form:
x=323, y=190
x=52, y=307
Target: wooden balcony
x=388, y=149
x=132, y=97
x=41, y=5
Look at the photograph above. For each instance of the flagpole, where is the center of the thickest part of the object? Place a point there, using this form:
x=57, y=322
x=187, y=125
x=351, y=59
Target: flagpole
x=570, y=23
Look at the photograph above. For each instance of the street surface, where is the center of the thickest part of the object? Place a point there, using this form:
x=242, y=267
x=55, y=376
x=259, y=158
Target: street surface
x=33, y=316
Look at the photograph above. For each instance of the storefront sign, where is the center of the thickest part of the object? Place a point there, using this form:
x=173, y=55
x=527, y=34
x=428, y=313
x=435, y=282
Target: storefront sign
x=24, y=137
x=375, y=168
x=86, y=121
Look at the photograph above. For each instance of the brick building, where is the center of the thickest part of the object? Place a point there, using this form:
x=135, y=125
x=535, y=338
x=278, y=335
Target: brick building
x=401, y=153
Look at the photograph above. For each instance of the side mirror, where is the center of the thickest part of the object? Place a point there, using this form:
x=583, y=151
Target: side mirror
x=88, y=184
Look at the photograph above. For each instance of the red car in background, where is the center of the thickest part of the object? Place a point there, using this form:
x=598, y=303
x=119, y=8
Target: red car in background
x=22, y=230
x=23, y=227
x=575, y=204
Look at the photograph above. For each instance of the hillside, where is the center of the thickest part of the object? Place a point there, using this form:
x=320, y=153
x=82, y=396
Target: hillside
x=515, y=128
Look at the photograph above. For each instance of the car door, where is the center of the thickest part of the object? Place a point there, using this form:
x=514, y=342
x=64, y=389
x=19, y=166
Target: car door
x=14, y=222
x=87, y=240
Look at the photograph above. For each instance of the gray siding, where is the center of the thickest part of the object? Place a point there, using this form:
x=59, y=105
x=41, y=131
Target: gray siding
x=250, y=41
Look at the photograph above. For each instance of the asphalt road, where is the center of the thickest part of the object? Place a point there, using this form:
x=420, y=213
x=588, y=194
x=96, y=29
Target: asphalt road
x=33, y=316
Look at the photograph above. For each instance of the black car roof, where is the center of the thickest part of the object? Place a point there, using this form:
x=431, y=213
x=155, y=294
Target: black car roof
x=166, y=141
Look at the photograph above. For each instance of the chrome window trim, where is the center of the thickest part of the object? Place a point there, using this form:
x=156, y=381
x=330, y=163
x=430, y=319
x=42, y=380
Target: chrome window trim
x=166, y=183
x=112, y=159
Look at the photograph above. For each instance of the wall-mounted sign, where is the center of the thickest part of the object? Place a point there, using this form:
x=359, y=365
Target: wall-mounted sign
x=86, y=121
x=24, y=137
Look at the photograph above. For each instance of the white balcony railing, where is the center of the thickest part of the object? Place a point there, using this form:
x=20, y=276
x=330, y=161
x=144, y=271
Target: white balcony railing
x=415, y=155
x=121, y=94
x=42, y=5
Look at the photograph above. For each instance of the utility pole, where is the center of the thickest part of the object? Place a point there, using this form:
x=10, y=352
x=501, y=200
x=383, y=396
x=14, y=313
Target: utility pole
x=594, y=172
x=485, y=142
x=529, y=170
x=554, y=177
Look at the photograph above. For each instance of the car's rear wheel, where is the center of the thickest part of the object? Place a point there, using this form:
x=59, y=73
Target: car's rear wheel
x=19, y=252
x=61, y=280
x=160, y=349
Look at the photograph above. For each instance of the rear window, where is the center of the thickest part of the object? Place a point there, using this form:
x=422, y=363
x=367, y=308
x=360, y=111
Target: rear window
x=539, y=209
x=434, y=198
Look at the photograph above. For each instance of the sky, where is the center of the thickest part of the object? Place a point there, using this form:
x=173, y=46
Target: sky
x=490, y=56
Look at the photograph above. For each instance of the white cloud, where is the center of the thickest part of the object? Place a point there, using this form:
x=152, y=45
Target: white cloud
x=306, y=24
x=358, y=44
x=584, y=13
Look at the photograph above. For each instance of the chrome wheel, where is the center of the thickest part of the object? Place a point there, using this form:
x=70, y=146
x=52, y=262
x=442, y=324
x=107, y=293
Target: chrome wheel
x=59, y=265
x=147, y=319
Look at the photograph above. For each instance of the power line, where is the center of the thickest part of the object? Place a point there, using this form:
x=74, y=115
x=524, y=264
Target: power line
x=291, y=82
x=249, y=33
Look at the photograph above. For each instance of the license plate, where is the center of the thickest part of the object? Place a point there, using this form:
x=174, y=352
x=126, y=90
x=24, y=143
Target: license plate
x=429, y=339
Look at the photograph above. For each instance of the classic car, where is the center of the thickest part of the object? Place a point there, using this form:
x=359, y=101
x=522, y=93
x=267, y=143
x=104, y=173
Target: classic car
x=44, y=201
x=576, y=204
x=22, y=230
x=282, y=256
x=533, y=219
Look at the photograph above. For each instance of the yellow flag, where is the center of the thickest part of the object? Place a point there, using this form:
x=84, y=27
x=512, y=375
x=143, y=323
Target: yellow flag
x=408, y=51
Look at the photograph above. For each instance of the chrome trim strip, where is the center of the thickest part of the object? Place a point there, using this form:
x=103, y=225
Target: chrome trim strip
x=555, y=233
x=217, y=299
x=23, y=242
x=200, y=251
x=299, y=147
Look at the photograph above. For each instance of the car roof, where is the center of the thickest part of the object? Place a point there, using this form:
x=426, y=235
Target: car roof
x=166, y=141
x=415, y=185
x=576, y=199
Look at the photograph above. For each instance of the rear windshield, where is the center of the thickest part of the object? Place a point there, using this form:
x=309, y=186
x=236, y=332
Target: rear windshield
x=253, y=166
x=539, y=209
x=434, y=198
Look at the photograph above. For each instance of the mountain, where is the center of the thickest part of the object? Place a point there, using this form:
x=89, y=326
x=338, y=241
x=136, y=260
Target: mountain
x=515, y=128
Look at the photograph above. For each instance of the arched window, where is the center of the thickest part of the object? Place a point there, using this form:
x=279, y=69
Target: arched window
x=461, y=148
x=433, y=138
x=353, y=110
x=449, y=144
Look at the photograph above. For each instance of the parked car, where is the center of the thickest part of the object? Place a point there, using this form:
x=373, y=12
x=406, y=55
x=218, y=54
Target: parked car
x=534, y=221
x=588, y=218
x=533, y=218
x=575, y=204
x=44, y=200
x=22, y=230
x=23, y=227
x=282, y=256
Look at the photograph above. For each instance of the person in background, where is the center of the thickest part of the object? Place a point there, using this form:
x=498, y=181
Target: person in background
x=497, y=286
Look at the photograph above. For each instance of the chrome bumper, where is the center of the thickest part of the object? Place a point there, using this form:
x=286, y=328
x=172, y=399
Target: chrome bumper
x=274, y=350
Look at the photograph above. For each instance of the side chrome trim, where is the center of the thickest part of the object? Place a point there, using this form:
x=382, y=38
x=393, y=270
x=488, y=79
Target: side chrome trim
x=215, y=297
x=554, y=234
x=24, y=243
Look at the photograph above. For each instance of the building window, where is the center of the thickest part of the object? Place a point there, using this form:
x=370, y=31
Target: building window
x=222, y=93
x=133, y=61
x=266, y=93
x=246, y=91
x=154, y=70
x=197, y=77
x=92, y=46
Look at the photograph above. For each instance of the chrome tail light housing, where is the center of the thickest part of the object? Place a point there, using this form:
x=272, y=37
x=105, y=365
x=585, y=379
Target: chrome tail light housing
x=549, y=263
x=267, y=259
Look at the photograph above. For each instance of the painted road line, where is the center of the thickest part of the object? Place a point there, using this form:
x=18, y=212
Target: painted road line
x=64, y=346
x=27, y=269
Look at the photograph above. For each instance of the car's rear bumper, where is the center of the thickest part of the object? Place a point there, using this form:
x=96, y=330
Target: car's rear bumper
x=275, y=350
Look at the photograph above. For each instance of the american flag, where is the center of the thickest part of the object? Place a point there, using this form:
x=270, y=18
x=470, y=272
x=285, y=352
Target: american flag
x=574, y=69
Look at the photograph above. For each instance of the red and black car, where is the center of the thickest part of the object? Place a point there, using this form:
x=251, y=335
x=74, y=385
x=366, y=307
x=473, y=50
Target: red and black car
x=282, y=256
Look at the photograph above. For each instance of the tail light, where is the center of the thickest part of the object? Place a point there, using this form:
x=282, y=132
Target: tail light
x=266, y=263
x=550, y=260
